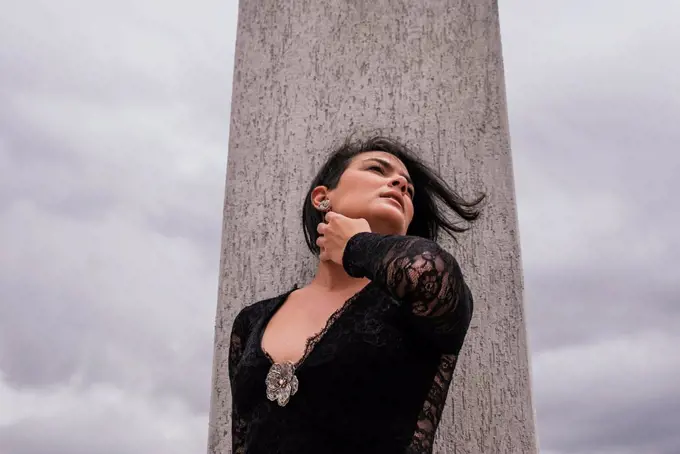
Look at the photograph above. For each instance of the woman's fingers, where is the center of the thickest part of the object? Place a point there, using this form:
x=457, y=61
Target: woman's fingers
x=320, y=242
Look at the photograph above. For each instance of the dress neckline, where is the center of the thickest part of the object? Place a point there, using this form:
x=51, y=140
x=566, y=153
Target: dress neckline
x=315, y=338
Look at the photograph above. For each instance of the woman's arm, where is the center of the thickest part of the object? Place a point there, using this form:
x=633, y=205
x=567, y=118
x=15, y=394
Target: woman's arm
x=420, y=274
x=239, y=335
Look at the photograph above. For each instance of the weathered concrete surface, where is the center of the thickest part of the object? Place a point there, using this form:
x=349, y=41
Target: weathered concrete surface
x=429, y=72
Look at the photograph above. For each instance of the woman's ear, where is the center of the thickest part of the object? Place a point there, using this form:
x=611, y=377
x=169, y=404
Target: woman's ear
x=319, y=194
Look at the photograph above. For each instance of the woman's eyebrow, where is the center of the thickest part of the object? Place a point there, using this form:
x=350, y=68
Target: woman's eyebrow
x=389, y=166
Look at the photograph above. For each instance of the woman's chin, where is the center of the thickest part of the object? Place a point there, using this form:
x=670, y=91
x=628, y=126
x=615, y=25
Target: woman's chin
x=389, y=222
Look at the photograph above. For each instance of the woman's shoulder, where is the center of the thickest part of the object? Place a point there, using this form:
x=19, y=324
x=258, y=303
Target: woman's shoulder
x=259, y=309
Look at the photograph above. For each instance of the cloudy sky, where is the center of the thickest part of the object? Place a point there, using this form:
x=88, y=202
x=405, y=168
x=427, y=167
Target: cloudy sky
x=113, y=147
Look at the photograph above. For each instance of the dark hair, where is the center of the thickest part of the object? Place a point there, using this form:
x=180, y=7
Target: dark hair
x=427, y=215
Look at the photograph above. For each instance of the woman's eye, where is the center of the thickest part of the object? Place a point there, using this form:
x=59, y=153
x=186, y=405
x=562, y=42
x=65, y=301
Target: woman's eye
x=411, y=191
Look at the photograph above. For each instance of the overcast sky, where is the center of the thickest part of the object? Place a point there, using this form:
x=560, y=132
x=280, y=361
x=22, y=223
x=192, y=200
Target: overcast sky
x=113, y=147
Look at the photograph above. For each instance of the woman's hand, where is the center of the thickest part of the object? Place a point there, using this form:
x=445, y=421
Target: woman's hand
x=334, y=234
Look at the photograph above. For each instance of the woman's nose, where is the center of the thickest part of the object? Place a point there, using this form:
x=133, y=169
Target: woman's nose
x=400, y=181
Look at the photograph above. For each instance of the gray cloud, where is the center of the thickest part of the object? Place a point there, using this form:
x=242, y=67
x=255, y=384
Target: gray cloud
x=113, y=138
x=101, y=419
x=617, y=394
x=593, y=114
x=112, y=132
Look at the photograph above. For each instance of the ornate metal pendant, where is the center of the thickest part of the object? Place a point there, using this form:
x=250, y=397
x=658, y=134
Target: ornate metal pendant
x=281, y=382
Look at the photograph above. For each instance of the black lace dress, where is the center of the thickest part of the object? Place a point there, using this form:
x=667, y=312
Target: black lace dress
x=375, y=379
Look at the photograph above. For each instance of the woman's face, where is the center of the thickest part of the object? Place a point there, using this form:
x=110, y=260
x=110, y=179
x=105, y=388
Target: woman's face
x=364, y=192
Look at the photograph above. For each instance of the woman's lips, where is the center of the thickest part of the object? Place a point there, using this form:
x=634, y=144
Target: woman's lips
x=394, y=201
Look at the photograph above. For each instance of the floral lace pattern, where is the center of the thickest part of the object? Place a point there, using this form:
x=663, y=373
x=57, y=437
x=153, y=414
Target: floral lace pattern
x=376, y=378
x=281, y=382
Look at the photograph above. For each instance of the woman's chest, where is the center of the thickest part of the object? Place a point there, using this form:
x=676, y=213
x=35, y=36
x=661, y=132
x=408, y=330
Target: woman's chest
x=370, y=335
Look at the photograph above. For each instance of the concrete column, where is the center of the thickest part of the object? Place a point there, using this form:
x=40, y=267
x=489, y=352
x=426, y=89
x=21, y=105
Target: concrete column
x=429, y=72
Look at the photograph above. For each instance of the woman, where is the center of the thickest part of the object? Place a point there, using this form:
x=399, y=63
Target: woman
x=359, y=360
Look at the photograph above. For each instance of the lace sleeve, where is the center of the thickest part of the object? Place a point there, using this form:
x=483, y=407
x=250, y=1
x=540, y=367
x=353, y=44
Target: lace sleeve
x=422, y=275
x=239, y=333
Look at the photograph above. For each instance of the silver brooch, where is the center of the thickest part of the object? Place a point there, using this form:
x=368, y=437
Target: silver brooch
x=281, y=382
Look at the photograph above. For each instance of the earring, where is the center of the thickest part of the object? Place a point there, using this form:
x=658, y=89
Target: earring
x=325, y=205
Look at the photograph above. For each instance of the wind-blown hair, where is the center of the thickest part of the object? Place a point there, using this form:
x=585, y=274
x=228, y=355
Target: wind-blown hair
x=429, y=187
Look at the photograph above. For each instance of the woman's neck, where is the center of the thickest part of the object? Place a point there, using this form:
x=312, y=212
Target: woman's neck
x=332, y=277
